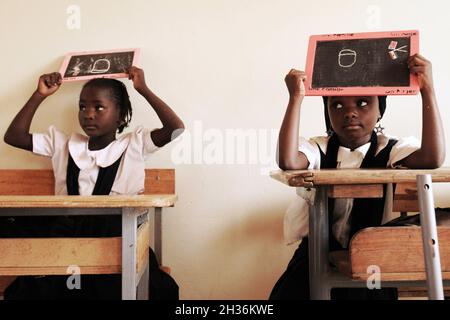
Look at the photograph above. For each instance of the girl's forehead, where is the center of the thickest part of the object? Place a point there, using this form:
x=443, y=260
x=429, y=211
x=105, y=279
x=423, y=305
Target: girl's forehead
x=351, y=98
x=94, y=92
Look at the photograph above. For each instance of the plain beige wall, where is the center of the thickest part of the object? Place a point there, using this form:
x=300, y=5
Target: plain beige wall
x=220, y=64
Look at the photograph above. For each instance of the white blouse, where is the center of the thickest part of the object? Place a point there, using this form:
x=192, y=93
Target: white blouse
x=135, y=146
x=296, y=220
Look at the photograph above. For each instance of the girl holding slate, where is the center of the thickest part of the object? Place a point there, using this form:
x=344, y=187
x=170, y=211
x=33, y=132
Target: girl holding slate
x=352, y=142
x=98, y=163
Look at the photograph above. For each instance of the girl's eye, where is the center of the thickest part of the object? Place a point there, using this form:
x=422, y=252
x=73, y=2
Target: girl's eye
x=362, y=103
x=99, y=108
x=338, y=105
x=82, y=108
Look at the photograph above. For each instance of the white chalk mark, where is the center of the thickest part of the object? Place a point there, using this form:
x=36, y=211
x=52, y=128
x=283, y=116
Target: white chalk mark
x=95, y=68
x=393, y=45
x=344, y=53
x=400, y=49
x=392, y=55
x=76, y=69
x=393, y=49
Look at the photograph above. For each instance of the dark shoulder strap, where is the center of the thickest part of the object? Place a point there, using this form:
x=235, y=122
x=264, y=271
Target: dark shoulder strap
x=73, y=172
x=382, y=158
x=370, y=155
x=328, y=160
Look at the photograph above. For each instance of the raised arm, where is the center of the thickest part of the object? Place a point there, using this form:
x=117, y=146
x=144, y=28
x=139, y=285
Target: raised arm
x=172, y=124
x=18, y=133
x=288, y=156
x=432, y=151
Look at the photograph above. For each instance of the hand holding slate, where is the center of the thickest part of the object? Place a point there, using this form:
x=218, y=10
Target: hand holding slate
x=421, y=67
x=137, y=76
x=295, y=83
x=48, y=84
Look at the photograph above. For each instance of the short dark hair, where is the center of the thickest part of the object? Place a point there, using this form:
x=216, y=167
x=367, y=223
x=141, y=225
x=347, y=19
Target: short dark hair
x=381, y=105
x=120, y=94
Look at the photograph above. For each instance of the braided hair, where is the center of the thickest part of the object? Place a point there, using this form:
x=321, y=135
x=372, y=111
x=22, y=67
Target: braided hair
x=120, y=95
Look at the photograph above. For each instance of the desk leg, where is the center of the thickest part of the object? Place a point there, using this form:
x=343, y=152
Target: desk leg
x=129, y=240
x=430, y=238
x=318, y=246
x=157, y=232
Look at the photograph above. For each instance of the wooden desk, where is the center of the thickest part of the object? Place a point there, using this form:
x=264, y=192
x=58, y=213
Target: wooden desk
x=342, y=183
x=129, y=207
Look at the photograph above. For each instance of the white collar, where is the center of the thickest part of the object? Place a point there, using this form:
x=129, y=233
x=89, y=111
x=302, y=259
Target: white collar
x=362, y=149
x=347, y=158
x=85, y=158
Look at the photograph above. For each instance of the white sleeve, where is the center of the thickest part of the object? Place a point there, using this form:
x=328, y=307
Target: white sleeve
x=311, y=150
x=403, y=148
x=46, y=143
x=144, y=141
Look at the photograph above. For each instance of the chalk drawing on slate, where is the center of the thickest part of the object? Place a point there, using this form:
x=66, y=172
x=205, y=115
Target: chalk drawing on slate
x=107, y=64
